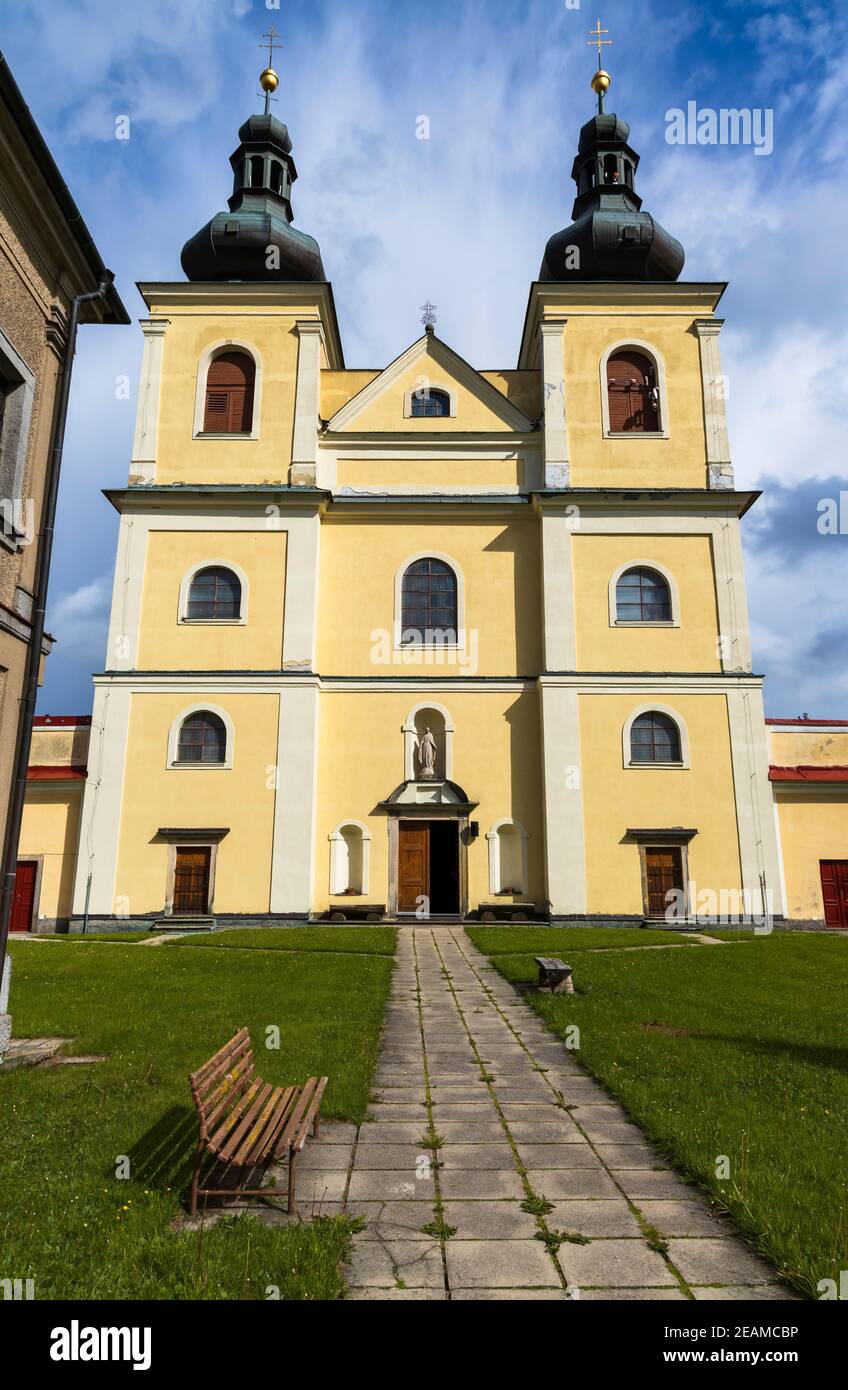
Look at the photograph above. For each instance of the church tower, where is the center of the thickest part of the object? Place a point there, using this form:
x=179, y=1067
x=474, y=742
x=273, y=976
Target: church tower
x=428, y=642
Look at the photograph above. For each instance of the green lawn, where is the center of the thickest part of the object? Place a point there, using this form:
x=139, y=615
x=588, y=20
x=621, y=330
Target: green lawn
x=542, y=941
x=738, y=1050
x=66, y=1220
x=374, y=941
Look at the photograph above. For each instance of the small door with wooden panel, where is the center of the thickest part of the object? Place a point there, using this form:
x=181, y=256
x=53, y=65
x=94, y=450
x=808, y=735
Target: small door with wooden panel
x=834, y=881
x=23, y=902
x=191, y=880
x=413, y=864
x=664, y=874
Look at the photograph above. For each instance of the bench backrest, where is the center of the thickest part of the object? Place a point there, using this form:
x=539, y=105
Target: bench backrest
x=217, y=1086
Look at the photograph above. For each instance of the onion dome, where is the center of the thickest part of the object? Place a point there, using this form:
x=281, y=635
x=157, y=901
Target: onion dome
x=255, y=240
x=611, y=237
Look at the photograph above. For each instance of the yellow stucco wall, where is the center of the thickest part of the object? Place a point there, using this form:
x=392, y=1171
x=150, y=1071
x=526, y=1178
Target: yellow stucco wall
x=693, y=646
x=801, y=748
x=680, y=460
x=167, y=644
x=51, y=829
x=812, y=827
x=269, y=332
x=616, y=798
x=360, y=558
x=239, y=798
x=361, y=761
x=430, y=475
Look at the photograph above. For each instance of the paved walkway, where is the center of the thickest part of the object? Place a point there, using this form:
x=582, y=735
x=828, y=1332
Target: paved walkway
x=541, y=1187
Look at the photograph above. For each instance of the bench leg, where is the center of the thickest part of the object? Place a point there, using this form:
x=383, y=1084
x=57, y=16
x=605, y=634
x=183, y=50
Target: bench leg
x=292, y=1177
x=316, y=1123
x=195, y=1179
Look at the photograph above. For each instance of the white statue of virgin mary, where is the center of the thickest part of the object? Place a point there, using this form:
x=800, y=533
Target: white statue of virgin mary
x=427, y=754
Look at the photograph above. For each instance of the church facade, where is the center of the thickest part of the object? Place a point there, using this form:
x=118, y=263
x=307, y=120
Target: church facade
x=432, y=642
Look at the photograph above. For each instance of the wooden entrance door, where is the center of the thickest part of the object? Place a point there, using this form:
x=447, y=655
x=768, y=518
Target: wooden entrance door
x=191, y=881
x=413, y=864
x=664, y=872
x=834, y=881
x=23, y=901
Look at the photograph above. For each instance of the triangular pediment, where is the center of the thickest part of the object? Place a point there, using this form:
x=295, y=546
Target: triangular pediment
x=383, y=405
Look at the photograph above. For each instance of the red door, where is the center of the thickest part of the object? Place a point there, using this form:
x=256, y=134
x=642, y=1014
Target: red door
x=23, y=901
x=834, y=880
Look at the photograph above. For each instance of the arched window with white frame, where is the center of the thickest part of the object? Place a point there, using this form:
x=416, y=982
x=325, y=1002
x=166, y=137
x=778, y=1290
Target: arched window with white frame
x=655, y=736
x=201, y=737
x=227, y=399
x=634, y=397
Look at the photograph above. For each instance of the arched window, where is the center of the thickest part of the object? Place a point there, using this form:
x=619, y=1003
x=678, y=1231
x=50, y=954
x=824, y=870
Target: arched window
x=257, y=172
x=654, y=738
x=214, y=595
x=276, y=176
x=229, y=394
x=430, y=402
x=610, y=168
x=642, y=596
x=428, y=602
x=633, y=393
x=202, y=739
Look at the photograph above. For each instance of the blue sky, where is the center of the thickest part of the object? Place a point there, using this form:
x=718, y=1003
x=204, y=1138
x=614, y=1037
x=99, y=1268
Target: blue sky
x=463, y=218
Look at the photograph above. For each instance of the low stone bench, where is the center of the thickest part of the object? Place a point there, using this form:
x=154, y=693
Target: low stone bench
x=507, y=912
x=554, y=975
x=356, y=912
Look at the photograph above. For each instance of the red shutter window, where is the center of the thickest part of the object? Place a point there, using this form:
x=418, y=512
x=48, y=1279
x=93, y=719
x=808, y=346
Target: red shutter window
x=229, y=394
x=633, y=393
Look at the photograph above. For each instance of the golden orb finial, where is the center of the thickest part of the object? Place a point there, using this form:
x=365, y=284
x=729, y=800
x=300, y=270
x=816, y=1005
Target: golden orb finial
x=268, y=80
x=602, y=80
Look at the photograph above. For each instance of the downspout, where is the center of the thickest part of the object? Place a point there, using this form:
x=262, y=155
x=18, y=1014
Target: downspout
x=30, y=691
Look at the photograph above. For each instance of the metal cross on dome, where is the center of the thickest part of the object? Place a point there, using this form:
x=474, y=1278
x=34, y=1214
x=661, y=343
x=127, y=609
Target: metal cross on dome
x=595, y=40
x=428, y=314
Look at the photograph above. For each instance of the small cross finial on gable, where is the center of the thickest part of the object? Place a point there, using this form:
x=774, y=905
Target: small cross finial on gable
x=428, y=316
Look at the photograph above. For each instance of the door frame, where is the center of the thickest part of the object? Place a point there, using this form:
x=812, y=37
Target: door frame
x=172, y=873
x=674, y=838
x=419, y=813
x=38, y=861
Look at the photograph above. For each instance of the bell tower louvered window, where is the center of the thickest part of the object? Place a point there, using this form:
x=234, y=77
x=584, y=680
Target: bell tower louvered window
x=633, y=393
x=229, y=394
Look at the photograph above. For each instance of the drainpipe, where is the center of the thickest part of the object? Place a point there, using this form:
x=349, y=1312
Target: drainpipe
x=30, y=691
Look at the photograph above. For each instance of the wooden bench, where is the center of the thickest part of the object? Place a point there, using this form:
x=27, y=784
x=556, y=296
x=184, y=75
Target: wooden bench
x=356, y=912
x=507, y=912
x=554, y=975
x=246, y=1123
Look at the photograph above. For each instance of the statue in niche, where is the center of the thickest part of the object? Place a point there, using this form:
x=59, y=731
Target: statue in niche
x=427, y=754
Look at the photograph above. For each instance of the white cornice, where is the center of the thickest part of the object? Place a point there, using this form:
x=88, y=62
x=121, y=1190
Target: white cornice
x=236, y=294
x=620, y=297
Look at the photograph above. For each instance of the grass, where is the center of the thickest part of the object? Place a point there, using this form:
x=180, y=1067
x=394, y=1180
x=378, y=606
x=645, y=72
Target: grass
x=106, y=936
x=739, y=1051
x=543, y=941
x=372, y=941
x=66, y=1219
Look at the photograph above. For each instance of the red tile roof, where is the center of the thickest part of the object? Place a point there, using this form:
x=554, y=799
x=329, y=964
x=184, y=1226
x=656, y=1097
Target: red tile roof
x=46, y=721
x=803, y=773
x=802, y=722
x=54, y=772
